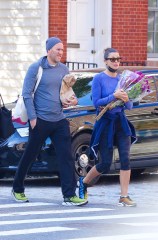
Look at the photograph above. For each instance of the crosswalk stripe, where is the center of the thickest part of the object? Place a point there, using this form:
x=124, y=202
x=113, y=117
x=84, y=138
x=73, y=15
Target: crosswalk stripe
x=35, y=230
x=18, y=205
x=63, y=219
x=142, y=224
x=72, y=210
x=139, y=236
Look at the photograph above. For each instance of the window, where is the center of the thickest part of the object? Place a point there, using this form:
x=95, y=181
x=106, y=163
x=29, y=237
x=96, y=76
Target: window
x=153, y=97
x=152, y=28
x=82, y=89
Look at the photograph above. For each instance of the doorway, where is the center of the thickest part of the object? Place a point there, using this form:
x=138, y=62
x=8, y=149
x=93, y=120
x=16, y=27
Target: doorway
x=81, y=27
x=89, y=29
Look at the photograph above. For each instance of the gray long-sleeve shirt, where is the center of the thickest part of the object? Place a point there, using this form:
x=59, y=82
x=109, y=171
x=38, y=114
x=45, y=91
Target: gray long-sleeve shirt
x=46, y=103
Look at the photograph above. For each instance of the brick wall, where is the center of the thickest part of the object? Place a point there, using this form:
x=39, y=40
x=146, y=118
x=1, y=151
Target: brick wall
x=129, y=28
x=58, y=21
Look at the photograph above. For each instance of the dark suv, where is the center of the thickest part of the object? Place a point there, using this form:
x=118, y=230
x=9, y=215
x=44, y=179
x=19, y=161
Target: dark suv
x=144, y=116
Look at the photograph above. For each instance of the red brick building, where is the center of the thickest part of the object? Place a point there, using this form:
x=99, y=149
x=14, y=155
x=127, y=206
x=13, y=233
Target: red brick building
x=58, y=20
x=129, y=27
x=86, y=28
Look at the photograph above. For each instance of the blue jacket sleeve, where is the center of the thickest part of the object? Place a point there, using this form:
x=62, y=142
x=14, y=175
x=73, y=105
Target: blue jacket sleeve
x=129, y=105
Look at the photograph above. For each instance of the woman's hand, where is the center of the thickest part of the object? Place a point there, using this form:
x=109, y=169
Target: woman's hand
x=122, y=95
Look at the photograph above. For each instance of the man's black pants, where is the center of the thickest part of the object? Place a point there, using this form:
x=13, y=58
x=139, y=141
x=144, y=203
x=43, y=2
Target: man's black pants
x=59, y=133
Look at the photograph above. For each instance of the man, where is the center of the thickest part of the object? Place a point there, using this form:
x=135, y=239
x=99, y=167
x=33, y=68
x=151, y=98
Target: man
x=46, y=118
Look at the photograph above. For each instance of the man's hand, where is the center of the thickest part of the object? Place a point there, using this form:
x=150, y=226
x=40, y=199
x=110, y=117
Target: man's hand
x=70, y=102
x=33, y=123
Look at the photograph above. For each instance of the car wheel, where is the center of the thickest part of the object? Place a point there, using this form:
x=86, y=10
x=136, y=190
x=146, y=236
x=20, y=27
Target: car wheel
x=80, y=150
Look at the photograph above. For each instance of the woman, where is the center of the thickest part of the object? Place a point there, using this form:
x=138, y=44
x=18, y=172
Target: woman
x=112, y=129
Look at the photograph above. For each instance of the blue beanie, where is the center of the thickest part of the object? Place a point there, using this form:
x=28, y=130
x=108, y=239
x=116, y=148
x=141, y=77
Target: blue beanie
x=51, y=42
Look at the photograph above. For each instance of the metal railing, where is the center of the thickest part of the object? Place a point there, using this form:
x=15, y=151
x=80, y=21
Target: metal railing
x=80, y=65
x=84, y=65
x=132, y=63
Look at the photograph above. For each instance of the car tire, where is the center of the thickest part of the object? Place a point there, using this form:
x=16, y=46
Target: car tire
x=80, y=152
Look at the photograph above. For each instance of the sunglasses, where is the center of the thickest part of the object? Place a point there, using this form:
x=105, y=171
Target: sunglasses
x=114, y=59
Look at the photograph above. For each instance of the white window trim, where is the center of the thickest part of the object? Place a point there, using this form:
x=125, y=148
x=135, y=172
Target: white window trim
x=152, y=55
x=103, y=29
x=44, y=23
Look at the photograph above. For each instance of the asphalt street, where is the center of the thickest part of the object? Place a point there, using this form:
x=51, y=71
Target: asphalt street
x=45, y=218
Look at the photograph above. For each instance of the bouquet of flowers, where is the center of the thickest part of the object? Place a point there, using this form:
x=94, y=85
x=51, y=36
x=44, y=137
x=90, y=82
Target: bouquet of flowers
x=135, y=84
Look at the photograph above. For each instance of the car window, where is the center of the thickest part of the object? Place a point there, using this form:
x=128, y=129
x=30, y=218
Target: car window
x=82, y=88
x=153, y=97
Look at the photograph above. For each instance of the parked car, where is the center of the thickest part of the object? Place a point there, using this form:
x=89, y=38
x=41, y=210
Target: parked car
x=144, y=116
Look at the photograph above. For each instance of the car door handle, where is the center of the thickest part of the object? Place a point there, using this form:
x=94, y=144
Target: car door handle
x=155, y=112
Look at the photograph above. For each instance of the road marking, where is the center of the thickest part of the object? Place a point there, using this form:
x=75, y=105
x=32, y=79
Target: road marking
x=84, y=218
x=139, y=236
x=142, y=224
x=118, y=216
x=72, y=210
x=3, y=198
x=18, y=205
x=35, y=230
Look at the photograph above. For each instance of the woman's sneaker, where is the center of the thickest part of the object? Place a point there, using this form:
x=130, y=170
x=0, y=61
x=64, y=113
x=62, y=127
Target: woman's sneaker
x=75, y=201
x=82, y=189
x=19, y=197
x=126, y=202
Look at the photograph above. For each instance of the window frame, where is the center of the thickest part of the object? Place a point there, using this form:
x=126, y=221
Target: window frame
x=153, y=9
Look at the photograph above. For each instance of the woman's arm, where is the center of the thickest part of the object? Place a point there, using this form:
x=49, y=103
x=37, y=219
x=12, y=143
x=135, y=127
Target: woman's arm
x=97, y=94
